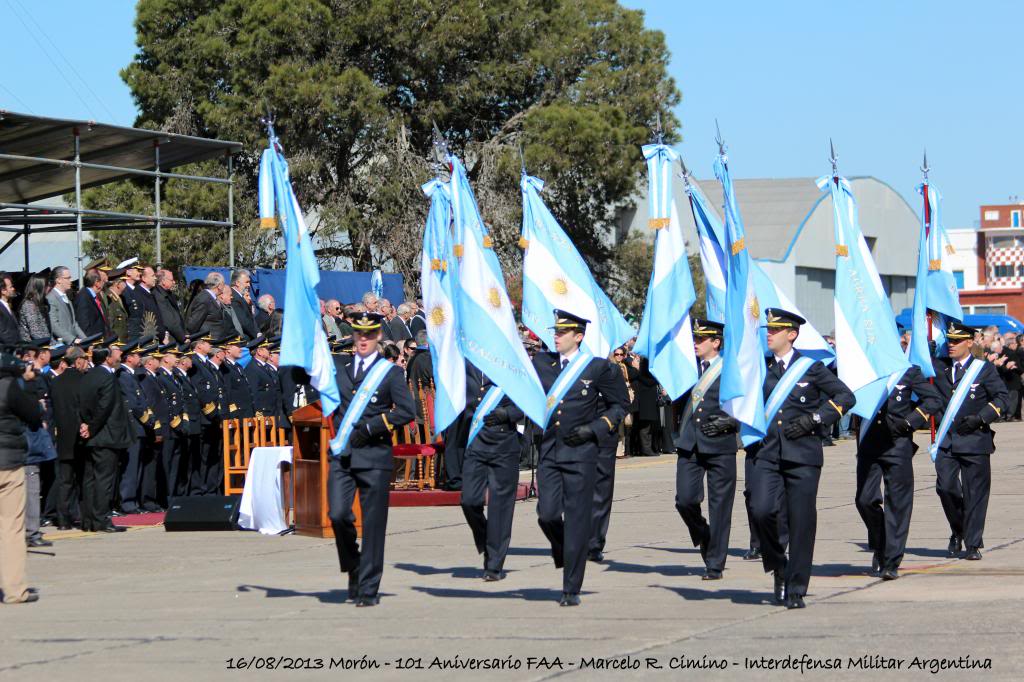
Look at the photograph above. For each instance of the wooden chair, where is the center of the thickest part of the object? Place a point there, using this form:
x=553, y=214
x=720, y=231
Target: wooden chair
x=416, y=461
x=270, y=434
x=240, y=437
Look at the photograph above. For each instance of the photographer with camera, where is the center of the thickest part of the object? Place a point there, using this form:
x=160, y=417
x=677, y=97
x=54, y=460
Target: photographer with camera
x=18, y=408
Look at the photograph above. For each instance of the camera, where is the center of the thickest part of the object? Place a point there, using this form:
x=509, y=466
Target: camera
x=10, y=366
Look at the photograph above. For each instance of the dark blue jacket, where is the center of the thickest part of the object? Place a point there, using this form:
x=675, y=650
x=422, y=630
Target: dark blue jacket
x=390, y=407
x=237, y=392
x=688, y=435
x=500, y=439
x=913, y=398
x=988, y=398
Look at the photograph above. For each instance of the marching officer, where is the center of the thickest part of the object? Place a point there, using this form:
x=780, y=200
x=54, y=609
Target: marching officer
x=706, y=443
x=237, y=391
x=156, y=421
x=490, y=468
x=973, y=397
x=375, y=400
x=800, y=395
x=885, y=451
x=574, y=381
x=604, y=483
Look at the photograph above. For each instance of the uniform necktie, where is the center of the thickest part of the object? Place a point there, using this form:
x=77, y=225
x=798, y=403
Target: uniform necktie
x=359, y=369
x=565, y=363
x=782, y=366
x=703, y=367
x=958, y=372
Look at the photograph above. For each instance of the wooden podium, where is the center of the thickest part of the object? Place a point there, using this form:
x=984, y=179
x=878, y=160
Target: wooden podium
x=311, y=435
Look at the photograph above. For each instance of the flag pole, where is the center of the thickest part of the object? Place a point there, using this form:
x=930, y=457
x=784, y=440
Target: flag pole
x=927, y=231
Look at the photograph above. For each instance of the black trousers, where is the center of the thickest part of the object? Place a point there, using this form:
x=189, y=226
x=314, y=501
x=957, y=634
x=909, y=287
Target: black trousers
x=963, y=483
x=643, y=433
x=170, y=458
x=492, y=477
x=373, y=486
x=604, y=488
x=691, y=467
x=98, y=486
x=189, y=456
x=455, y=455
x=129, y=480
x=149, y=463
x=887, y=525
x=794, y=486
x=564, y=511
x=755, y=543
x=207, y=470
x=69, y=477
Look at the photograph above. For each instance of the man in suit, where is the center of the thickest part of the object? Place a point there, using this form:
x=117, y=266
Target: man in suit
x=706, y=442
x=418, y=322
x=567, y=466
x=70, y=452
x=144, y=313
x=962, y=462
x=238, y=393
x=296, y=391
x=400, y=330
x=491, y=471
x=167, y=302
x=242, y=308
x=62, y=313
x=364, y=462
x=9, y=335
x=89, y=312
x=788, y=461
x=885, y=451
x=139, y=413
x=107, y=434
x=204, y=316
x=156, y=423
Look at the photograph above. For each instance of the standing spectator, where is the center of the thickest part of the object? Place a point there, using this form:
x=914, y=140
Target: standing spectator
x=1007, y=364
x=117, y=311
x=34, y=314
x=9, y=335
x=204, y=314
x=1012, y=341
x=646, y=389
x=63, y=324
x=418, y=322
x=399, y=323
x=384, y=308
x=89, y=313
x=167, y=302
x=144, y=316
x=40, y=445
x=240, y=304
x=370, y=302
x=230, y=325
x=265, y=306
x=132, y=277
x=70, y=457
x=331, y=314
x=17, y=409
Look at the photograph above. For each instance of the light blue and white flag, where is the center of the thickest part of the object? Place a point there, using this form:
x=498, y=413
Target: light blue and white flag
x=868, y=348
x=935, y=288
x=303, y=340
x=666, y=337
x=377, y=283
x=743, y=372
x=556, y=276
x=437, y=281
x=487, y=328
x=810, y=342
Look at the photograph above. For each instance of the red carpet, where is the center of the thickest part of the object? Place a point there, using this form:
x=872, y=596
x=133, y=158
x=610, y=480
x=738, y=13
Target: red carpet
x=146, y=519
x=437, y=498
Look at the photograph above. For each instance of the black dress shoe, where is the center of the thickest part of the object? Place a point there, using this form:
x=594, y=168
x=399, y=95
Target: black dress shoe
x=956, y=543
x=795, y=601
x=596, y=557
x=711, y=575
x=111, y=528
x=38, y=542
x=752, y=554
x=368, y=601
x=353, y=585
x=63, y=526
x=116, y=512
x=890, y=574
x=973, y=554
x=876, y=564
x=493, y=576
x=780, y=586
x=569, y=599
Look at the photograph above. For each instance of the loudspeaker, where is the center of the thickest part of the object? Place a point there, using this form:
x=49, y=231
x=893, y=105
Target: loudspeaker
x=213, y=512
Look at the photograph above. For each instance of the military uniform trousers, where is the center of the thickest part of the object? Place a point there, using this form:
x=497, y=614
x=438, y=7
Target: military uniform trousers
x=98, y=476
x=791, y=486
x=149, y=462
x=496, y=475
x=887, y=525
x=720, y=469
x=963, y=482
x=564, y=511
x=604, y=488
x=129, y=478
x=207, y=470
x=748, y=475
x=69, y=480
x=373, y=486
x=170, y=465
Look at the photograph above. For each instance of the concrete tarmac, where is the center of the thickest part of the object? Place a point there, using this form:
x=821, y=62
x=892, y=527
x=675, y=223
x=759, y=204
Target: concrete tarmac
x=150, y=605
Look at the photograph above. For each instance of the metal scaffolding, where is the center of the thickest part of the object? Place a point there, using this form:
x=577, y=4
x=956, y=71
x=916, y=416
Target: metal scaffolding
x=41, y=158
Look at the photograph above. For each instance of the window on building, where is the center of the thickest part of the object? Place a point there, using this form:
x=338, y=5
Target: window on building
x=958, y=277
x=1015, y=218
x=1003, y=242
x=1003, y=271
x=989, y=309
x=870, y=241
x=1020, y=269
x=992, y=215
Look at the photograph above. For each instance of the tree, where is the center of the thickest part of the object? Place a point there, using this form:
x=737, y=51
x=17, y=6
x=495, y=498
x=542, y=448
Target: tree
x=354, y=86
x=631, y=273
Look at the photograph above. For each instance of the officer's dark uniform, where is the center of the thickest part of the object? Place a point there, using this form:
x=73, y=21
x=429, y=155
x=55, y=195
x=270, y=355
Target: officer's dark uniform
x=885, y=453
x=238, y=394
x=962, y=465
x=491, y=469
x=156, y=421
x=264, y=384
x=208, y=468
x=706, y=442
x=366, y=464
x=174, y=438
x=568, y=449
x=137, y=409
x=787, y=466
x=191, y=425
x=604, y=483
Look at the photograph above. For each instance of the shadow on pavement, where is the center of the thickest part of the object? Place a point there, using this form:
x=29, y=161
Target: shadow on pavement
x=529, y=551
x=931, y=553
x=531, y=594
x=735, y=596
x=671, y=570
x=326, y=597
x=453, y=571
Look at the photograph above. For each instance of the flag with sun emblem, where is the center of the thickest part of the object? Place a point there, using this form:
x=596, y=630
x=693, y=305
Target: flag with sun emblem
x=487, y=330
x=666, y=337
x=438, y=288
x=556, y=276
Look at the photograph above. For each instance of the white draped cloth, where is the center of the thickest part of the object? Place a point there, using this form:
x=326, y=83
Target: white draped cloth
x=262, y=507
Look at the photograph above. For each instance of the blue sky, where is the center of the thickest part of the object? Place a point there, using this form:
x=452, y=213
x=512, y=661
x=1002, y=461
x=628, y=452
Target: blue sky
x=883, y=79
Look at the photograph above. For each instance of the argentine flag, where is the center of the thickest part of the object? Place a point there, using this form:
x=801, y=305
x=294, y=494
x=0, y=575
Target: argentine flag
x=303, y=340
x=867, y=343
x=935, y=288
x=438, y=287
x=665, y=337
x=743, y=366
x=487, y=328
x=556, y=276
